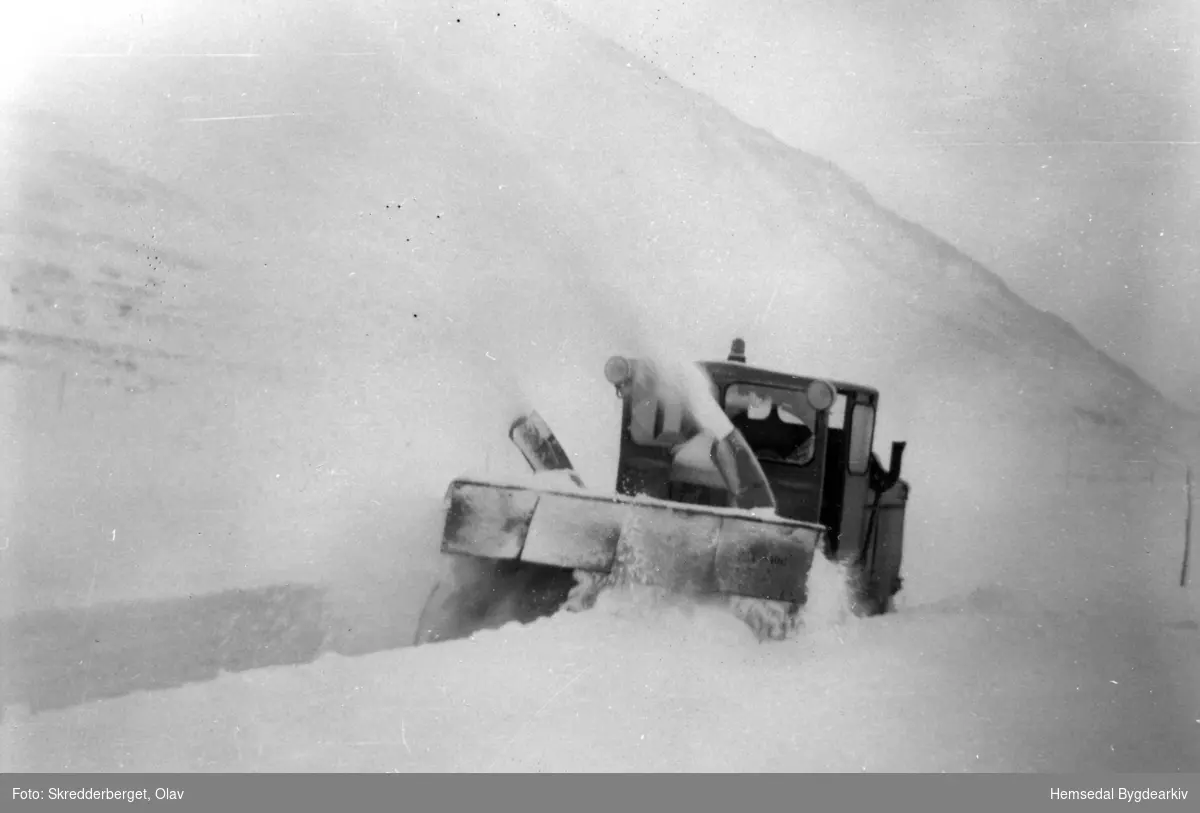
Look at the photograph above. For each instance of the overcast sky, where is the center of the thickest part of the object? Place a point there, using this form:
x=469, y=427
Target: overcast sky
x=1052, y=141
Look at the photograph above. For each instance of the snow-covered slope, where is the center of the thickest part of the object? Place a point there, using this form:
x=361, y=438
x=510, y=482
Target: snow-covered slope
x=260, y=308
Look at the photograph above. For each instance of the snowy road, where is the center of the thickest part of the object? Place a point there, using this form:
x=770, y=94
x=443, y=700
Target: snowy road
x=998, y=678
x=950, y=688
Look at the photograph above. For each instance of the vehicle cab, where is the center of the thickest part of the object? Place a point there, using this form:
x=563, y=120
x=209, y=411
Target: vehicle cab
x=812, y=438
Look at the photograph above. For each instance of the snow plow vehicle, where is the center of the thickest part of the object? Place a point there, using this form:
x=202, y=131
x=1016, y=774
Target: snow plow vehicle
x=731, y=478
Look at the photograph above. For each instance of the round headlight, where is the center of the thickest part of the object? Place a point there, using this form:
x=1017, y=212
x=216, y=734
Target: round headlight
x=617, y=370
x=821, y=395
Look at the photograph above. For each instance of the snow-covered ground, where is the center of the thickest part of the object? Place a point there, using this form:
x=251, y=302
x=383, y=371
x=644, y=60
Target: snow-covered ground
x=243, y=356
x=1086, y=661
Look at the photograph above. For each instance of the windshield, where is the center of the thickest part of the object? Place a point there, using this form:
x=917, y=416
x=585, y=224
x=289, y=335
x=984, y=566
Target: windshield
x=777, y=423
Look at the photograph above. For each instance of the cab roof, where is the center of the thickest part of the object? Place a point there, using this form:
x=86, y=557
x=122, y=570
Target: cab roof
x=726, y=371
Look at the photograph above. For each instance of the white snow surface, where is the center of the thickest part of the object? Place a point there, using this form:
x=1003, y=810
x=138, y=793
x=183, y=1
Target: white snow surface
x=258, y=312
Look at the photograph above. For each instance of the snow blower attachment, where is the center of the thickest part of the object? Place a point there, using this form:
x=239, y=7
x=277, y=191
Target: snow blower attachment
x=730, y=480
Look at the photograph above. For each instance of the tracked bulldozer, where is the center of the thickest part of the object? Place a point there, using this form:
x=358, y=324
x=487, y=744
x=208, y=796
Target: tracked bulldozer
x=731, y=478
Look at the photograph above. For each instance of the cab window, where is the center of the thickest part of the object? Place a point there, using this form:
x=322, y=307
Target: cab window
x=778, y=424
x=862, y=435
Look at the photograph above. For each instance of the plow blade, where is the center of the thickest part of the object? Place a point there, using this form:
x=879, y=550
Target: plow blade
x=684, y=548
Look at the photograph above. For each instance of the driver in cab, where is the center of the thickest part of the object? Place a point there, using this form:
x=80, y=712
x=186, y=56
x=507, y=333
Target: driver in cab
x=769, y=434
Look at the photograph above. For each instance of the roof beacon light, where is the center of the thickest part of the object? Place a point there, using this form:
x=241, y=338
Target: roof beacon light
x=821, y=395
x=737, y=351
x=617, y=370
